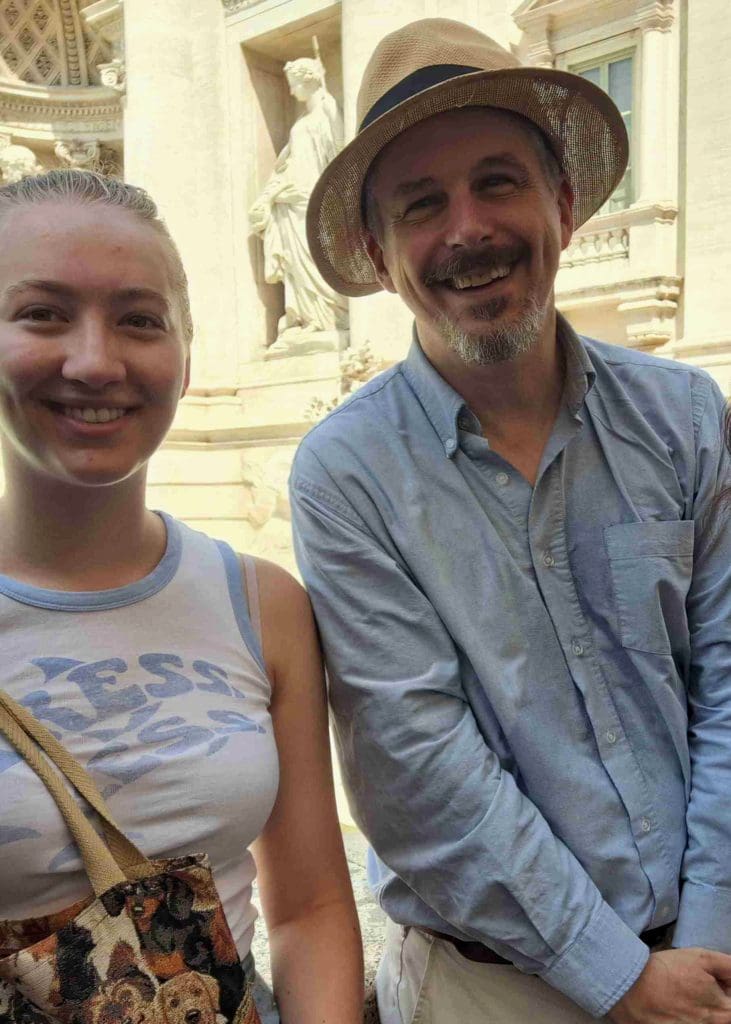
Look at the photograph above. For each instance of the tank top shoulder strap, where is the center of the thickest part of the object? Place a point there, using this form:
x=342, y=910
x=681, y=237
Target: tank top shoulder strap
x=252, y=594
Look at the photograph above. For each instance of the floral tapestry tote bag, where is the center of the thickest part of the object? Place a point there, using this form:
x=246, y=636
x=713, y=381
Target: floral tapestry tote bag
x=149, y=945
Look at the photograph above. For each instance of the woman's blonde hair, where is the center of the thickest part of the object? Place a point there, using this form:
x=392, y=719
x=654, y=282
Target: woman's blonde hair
x=89, y=187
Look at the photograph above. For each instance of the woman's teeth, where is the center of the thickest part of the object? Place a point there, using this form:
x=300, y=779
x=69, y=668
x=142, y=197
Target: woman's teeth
x=477, y=280
x=93, y=415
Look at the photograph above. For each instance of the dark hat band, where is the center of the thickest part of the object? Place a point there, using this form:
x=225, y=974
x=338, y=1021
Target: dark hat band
x=416, y=82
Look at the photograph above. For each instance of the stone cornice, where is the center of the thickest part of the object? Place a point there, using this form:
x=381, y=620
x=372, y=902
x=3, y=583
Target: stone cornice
x=61, y=112
x=655, y=15
x=534, y=15
x=232, y=6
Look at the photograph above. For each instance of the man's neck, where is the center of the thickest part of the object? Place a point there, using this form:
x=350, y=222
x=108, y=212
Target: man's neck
x=516, y=401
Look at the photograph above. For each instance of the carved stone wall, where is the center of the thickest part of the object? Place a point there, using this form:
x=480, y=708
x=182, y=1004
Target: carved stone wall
x=55, y=99
x=44, y=42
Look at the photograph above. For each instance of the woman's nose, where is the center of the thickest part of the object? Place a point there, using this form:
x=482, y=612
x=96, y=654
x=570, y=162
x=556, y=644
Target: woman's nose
x=94, y=356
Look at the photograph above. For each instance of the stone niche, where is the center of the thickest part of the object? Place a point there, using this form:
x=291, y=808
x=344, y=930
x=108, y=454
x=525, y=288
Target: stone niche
x=292, y=137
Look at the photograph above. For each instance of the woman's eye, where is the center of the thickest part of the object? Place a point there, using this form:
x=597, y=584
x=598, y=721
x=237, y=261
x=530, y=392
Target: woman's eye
x=39, y=315
x=144, y=322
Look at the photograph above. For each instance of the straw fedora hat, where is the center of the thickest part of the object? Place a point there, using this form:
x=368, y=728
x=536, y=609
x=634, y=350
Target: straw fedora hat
x=434, y=65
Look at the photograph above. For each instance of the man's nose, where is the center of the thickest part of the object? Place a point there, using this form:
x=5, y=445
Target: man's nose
x=94, y=355
x=470, y=222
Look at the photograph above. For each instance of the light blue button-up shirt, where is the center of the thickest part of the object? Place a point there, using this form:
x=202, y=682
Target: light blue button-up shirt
x=531, y=686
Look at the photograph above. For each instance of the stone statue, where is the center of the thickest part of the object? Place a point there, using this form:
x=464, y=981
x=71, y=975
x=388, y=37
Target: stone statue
x=16, y=162
x=312, y=309
x=79, y=153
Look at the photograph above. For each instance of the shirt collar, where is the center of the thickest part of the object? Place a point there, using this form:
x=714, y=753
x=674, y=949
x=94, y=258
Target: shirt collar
x=444, y=406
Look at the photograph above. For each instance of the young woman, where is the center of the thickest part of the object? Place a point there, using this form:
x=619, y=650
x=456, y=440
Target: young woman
x=131, y=636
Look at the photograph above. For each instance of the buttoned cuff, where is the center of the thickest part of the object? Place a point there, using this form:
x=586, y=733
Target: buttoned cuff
x=598, y=968
x=704, y=918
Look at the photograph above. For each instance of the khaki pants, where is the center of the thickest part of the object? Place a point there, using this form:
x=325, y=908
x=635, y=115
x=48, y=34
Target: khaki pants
x=423, y=980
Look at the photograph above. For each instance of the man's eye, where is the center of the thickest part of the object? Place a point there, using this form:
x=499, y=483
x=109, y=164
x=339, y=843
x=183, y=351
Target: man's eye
x=422, y=205
x=497, y=183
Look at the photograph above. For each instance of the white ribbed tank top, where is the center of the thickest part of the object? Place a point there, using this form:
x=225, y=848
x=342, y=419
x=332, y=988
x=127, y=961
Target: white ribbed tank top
x=159, y=690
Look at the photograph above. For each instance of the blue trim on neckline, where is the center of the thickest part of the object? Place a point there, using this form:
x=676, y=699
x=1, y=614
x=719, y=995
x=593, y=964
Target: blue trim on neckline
x=103, y=600
x=239, y=602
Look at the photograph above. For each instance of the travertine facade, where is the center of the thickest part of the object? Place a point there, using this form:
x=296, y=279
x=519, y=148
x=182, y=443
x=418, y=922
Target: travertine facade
x=190, y=99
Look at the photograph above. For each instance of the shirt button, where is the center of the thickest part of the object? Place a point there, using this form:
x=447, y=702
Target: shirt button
x=548, y=559
x=611, y=736
x=646, y=825
x=451, y=445
x=577, y=648
x=503, y=479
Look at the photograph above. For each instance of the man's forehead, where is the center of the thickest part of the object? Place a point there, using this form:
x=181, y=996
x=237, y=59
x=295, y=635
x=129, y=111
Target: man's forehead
x=485, y=135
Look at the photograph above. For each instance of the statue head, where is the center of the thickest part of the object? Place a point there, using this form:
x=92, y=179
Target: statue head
x=304, y=76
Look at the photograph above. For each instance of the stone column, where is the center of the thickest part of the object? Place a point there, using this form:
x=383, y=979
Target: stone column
x=656, y=162
x=706, y=193
x=175, y=145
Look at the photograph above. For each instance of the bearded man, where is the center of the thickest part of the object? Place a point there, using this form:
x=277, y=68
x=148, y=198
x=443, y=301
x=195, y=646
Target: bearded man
x=525, y=612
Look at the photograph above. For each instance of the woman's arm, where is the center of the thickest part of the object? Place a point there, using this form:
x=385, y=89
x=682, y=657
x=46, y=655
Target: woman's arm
x=317, y=964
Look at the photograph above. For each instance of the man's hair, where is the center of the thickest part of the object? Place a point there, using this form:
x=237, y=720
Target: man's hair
x=88, y=187
x=550, y=166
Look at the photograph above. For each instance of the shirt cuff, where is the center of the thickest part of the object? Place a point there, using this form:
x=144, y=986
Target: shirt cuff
x=600, y=965
x=704, y=918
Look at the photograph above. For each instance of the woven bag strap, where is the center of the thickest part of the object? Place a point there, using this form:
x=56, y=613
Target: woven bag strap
x=106, y=865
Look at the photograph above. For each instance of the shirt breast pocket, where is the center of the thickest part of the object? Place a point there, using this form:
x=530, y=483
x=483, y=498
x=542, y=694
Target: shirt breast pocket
x=651, y=567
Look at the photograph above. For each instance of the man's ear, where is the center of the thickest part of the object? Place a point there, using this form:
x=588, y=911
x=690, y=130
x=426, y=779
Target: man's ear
x=186, y=377
x=566, y=211
x=375, y=253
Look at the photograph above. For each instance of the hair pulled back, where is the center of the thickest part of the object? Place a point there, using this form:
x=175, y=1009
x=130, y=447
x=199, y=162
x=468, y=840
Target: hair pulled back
x=89, y=187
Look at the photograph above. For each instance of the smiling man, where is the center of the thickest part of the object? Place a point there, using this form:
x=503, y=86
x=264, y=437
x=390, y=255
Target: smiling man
x=506, y=540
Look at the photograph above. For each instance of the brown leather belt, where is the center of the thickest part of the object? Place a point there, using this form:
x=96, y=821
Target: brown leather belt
x=480, y=954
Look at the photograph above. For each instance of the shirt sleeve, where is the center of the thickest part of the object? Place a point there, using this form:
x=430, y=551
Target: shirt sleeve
x=705, y=904
x=425, y=788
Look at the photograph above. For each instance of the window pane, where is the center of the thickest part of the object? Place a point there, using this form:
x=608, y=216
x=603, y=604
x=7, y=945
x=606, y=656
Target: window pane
x=620, y=83
x=594, y=75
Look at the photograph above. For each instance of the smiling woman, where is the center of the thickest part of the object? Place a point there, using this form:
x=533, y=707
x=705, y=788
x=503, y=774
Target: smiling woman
x=191, y=694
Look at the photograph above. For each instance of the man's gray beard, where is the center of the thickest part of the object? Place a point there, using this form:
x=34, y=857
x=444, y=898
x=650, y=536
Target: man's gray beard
x=499, y=343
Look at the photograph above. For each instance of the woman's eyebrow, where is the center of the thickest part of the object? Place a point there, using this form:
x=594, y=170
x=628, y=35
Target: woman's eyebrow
x=56, y=287
x=142, y=293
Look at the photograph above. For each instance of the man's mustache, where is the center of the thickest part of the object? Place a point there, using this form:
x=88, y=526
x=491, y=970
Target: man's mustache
x=482, y=258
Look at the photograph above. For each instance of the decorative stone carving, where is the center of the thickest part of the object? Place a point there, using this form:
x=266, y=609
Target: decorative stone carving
x=314, y=315
x=597, y=247
x=16, y=162
x=232, y=6
x=104, y=30
x=112, y=74
x=655, y=15
x=43, y=42
x=80, y=153
x=356, y=368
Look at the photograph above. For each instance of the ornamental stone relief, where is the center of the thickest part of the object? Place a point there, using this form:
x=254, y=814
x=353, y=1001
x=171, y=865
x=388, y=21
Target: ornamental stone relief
x=232, y=6
x=43, y=42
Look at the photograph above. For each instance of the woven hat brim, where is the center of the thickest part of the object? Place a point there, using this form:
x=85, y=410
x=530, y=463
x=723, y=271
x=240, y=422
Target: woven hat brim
x=580, y=121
